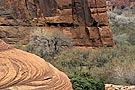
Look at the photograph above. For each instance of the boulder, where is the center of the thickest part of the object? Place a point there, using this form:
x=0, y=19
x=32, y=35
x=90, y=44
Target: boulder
x=118, y=87
x=20, y=70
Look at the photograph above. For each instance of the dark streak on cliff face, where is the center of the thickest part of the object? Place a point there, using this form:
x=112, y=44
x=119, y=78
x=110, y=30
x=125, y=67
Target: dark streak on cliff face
x=87, y=20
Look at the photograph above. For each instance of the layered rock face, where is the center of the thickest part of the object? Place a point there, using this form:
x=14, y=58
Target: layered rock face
x=16, y=34
x=20, y=70
x=86, y=21
x=90, y=17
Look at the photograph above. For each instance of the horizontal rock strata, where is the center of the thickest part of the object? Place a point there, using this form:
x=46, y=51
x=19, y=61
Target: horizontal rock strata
x=87, y=20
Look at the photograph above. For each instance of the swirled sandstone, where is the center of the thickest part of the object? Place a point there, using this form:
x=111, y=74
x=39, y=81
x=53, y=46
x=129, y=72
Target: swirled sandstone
x=20, y=70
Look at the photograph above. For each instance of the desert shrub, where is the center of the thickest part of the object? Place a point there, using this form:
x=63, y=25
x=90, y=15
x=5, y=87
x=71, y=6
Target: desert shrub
x=47, y=43
x=122, y=38
x=123, y=70
x=121, y=20
x=70, y=61
x=98, y=58
x=84, y=81
x=131, y=38
x=118, y=11
x=133, y=10
x=18, y=46
x=119, y=68
x=122, y=27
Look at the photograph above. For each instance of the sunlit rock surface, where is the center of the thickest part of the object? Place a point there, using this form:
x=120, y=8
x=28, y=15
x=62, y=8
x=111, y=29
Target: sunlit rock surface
x=118, y=87
x=20, y=70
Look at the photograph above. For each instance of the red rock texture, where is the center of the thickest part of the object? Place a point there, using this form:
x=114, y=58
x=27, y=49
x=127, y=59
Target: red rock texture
x=87, y=20
x=20, y=70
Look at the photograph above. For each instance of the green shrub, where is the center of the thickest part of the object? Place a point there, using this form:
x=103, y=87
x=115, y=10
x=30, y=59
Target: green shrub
x=122, y=27
x=131, y=38
x=84, y=81
x=70, y=61
x=19, y=46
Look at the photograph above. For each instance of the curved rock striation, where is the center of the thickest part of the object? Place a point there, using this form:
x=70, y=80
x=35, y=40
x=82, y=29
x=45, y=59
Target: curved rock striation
x=20, y=70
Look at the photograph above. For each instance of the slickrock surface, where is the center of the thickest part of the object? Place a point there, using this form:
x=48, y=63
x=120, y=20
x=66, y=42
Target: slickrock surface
x=118, y=87
x=20, y=70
